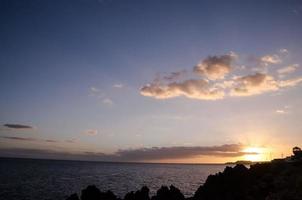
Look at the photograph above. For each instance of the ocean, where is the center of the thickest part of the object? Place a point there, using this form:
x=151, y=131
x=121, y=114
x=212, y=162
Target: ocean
x=34, y=179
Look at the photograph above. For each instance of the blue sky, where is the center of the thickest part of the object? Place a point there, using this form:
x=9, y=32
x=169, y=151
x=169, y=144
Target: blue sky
x=73, y=71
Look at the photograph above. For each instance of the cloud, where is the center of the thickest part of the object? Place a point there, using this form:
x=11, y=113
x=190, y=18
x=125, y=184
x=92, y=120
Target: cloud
x=95, y=92
x=107, y=101
x=287, y=70
x=137, y=155
x=94, y=89
x=73, y=140
x=225, y=84
x=290, y=82
x=260, y=83
x=215, y=67
x=90, y=132
x=194, y=89
x=18, y=126
x=51, y=141
x=281, y=112
x=216, y=85
x=270, y=59
x=118, y=85
x=179, y=152
x=38, y=153
x=254, y=84
x=19, y=138
x=29, y=139
x=174, y=76
x=284, y=51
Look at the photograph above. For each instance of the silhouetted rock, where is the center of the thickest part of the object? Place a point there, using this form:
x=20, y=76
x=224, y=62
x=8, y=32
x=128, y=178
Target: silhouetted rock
x=164, y=193
x=73, y=197
x=220, y=185
x=266, y=181
x=93, y=193
x=142, y=194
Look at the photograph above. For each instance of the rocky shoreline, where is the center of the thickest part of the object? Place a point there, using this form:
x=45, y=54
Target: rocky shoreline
x=276, y=180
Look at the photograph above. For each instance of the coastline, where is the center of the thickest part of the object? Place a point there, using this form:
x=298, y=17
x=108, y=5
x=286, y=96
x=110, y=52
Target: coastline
x=275, y=180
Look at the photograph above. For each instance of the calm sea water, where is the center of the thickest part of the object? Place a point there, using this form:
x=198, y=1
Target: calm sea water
x=22, y=179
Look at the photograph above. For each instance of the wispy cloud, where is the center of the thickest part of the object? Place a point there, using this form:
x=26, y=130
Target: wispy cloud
x=288, y=69
x=283, y=51
x=51, y=141
x=96, y=92
x=90, y=132
x=30, y=139
x=283, y=110
x=73, y=140
x=290, y=82
x=214, y=83
x=280, y=111
x=18, y=138
x=270, y=59
x=107, y=101
x=94, y=89
x=118, y=85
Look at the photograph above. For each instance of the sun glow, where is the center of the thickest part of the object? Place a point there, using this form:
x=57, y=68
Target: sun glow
x=255, y=154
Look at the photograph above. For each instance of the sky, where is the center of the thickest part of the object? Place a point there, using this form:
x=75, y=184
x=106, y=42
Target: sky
x=150, y=81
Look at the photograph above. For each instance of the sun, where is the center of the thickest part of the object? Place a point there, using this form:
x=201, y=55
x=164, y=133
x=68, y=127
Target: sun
x=254, y=153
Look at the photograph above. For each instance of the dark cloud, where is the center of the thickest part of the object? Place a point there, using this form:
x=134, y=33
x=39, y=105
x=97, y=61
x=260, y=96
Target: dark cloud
x=51, y=141
x=18, y=126
x=30, y=139
x=180, y=152
x=137, y=155
x=38, y=153
x=19, y=138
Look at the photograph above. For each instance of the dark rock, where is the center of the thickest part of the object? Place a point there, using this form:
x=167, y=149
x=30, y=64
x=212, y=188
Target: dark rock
x=164, y=193
x=142, y=194
x=266, y=181
x=73, y=197
x=93, y=193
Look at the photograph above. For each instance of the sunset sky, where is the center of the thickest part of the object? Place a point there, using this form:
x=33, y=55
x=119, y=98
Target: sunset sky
x=150, y=80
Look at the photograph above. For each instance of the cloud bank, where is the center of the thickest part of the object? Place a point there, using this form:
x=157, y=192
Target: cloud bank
x=217, y=78
x=179, y=152
x=135, y=155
